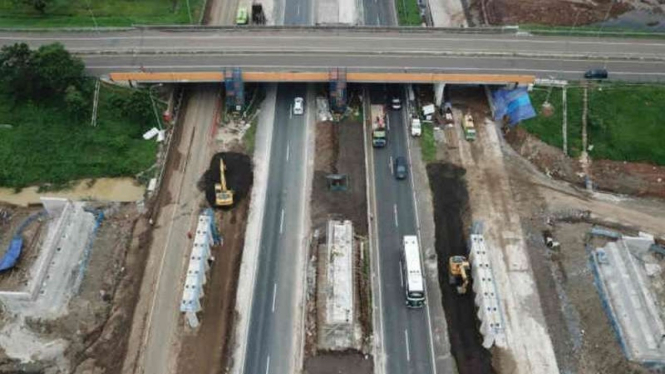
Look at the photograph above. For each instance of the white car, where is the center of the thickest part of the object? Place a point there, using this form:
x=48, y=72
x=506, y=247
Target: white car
x=298, y=106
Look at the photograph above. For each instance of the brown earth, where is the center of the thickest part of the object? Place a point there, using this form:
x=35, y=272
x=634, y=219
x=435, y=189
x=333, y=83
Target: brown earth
x=11, y=217
x=629, y=178
x=207, y=350
x=547, y=12
x=351, y=362
x=338, y=151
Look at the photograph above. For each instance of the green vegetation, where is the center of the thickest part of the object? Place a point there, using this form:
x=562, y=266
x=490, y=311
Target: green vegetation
x=249, y=139
x=408, y=12
x=625, y=122
x=45, y=109
x=88, y=13
x=427, y=143
x=593, y=31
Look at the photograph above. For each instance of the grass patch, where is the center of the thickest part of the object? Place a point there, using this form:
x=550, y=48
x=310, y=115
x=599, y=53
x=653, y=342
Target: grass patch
x=107, y=13
x=593, y=31
x=46, y=145
x=624, y=121
x=408, y=12
x=249, y=138
x=427, y=143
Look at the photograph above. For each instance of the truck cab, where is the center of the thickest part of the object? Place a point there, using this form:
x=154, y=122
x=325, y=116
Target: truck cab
x=416, y=127
x=469, y=127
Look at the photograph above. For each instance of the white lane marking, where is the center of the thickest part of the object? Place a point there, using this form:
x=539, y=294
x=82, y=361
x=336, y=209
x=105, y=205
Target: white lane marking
x=290, y=112
x=298, y=12
x=288, y=151
x=390, y=165
x=281, y=222
x=274, y=297
x=406, y=341
x=268, y=365
x=401, y=275
x=395, y=213
x=378, y=21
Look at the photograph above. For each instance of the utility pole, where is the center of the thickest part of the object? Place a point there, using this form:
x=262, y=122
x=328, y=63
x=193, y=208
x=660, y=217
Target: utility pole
x=564, y=129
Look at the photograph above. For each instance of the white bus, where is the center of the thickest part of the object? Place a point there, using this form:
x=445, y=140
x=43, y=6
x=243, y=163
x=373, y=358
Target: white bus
x=414, y=283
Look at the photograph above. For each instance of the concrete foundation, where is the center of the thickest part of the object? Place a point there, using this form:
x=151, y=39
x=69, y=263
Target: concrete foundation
x=624, y=285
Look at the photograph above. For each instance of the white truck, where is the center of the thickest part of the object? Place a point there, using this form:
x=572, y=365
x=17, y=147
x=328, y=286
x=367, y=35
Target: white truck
x=379, y=129
x=416, y=127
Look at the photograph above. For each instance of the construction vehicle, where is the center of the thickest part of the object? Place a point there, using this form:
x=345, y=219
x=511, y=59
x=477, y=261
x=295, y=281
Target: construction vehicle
x=468, y=127
x=258, y=17
x=379, y=131
x=223, y=196
x=242, y=18
x=448, y=114
x=458, y=273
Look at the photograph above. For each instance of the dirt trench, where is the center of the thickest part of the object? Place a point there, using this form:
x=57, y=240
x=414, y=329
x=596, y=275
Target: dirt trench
x=451, y=218
x=238, y=174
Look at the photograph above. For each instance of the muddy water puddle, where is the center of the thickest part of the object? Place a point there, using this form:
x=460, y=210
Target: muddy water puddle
x=102, y=189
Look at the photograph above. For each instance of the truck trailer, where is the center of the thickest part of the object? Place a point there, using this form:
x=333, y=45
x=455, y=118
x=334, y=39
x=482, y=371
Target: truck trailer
x=379, y=130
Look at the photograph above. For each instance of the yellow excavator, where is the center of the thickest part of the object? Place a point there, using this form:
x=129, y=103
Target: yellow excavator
x=458, y=273
x=223, y=196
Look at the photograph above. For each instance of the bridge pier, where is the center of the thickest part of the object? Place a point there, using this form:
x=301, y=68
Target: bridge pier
x=438, y=93
x=235, y=89
x=338, y=90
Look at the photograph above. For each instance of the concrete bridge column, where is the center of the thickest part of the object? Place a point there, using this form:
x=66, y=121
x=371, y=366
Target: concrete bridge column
x=438, y=93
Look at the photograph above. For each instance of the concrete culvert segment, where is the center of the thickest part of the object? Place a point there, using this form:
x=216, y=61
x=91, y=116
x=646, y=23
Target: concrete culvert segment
x=239, y=176
x=452, y=219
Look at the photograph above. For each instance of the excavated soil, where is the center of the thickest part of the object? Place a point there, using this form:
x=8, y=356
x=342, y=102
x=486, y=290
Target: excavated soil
x=350, y=362
x=208, y=349
x=451, y=218
x=239, y=176
x=629, y=178
x=547, y=12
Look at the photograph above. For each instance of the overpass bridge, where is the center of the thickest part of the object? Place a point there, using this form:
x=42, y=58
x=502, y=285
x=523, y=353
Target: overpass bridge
x=172, y=54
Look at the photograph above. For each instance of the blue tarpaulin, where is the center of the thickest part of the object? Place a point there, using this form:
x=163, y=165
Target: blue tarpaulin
x=11, y=256
x=513, y=103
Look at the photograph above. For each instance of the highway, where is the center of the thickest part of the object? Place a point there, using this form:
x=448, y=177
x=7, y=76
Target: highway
x=273, y=340
x=405, y=333
x=363, y=51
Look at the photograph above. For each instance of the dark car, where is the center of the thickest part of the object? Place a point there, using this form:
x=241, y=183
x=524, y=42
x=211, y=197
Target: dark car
x=596, y=74
x=400, y=168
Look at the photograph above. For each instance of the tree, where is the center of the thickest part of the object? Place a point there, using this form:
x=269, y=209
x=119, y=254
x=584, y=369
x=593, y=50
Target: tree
x=17, y=70
x=76, y=103
x=57, y=69
x=38, y=5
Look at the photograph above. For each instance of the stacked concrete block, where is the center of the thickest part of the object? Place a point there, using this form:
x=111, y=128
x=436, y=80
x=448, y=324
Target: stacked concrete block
x=487, y=298
x=197, y=270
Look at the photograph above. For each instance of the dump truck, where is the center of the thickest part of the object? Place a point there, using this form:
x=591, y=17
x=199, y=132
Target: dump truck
x=223, y=196
x=379, y=129
x=258, y=17
x=468, y=127
x=458, y=273
x=448, y=114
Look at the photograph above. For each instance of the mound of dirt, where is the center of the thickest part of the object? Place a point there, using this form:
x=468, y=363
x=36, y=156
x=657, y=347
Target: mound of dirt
x=547, y=12
x=629, y=178
x=347, y=362
x=239, y=176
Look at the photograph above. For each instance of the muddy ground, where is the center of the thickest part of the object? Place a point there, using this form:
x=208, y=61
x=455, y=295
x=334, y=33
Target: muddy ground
x=547, y=12
x=452, y=220
x=11, y=218
x=238, y=174
x=207, y=350
x=628, y=178
x=338, y=151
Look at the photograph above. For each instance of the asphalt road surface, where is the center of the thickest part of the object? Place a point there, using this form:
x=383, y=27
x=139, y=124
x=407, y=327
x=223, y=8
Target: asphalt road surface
x=273, y=339
x=406, y=332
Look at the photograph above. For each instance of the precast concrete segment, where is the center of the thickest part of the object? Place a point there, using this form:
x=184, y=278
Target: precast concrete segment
x=265, y=77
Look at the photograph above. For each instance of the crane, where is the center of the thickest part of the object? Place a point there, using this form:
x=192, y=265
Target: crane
x=223, y=196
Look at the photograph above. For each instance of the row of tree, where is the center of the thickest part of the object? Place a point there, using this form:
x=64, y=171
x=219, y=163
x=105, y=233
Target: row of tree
x=50, y=71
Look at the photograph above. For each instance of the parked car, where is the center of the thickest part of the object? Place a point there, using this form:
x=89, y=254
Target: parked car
x=298, y=106
x=596, y=74
x=400, y=168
